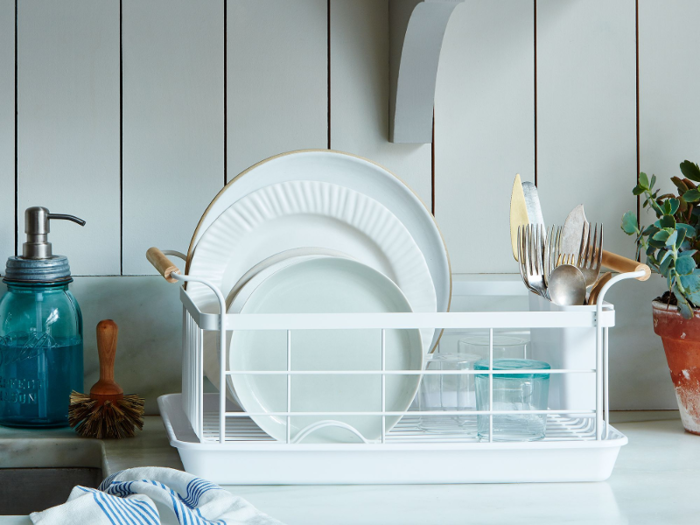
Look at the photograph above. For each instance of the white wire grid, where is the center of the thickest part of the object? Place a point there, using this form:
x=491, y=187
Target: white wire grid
x=226, y=426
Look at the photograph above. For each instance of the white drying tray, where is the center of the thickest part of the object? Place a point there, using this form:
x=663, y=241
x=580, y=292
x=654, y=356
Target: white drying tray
x=569, y=452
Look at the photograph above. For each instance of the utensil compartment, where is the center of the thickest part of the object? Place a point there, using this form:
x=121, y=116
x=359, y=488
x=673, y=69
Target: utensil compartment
x=219, y=441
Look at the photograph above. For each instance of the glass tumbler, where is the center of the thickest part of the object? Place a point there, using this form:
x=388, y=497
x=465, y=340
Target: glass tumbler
x=526, y=391
x=443, y=392
x=505, y=346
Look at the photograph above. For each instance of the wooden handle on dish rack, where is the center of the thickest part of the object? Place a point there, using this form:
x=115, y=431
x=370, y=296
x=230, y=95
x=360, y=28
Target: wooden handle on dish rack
x=161, y=263
x=621, y=264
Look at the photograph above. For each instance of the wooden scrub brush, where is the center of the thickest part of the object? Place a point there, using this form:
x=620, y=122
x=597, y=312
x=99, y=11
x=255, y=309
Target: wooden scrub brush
x=106, y=412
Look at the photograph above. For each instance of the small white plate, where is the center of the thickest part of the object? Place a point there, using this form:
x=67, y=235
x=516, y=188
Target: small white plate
x=277, y=261
x=328, y=285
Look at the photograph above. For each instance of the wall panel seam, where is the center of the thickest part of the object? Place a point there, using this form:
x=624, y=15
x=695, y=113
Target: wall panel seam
x=534, y=41
x=16, y=150
x=225, y=93
x=636, y=43
x=121, y=146
x=328, y=64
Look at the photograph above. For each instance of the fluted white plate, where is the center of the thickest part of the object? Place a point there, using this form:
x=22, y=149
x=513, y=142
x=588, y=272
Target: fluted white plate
x=357, y=174
x=329, y=285
x=303, y=214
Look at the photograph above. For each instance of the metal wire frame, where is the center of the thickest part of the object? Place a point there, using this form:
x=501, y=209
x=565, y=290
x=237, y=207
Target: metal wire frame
x=197, y=321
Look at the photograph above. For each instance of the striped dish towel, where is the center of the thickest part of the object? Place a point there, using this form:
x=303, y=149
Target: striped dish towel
x=153, y=495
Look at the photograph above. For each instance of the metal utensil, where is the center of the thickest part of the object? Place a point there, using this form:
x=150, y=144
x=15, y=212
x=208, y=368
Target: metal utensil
x=551, y=251
x=591, y=254
x=574, y=230
x=518, y=214
x=531, y=240
x=567, y=285
x=532, y=203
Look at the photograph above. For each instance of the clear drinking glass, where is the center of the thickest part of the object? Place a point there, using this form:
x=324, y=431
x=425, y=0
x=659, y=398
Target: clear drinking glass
x=447, y=392
x=527, y=391
x=505, y=346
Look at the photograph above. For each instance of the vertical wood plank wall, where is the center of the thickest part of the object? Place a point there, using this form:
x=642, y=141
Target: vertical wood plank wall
x=173, y=122
x=484, y=129
x=134, y=114
x=359, y=87
x=68, y=125
x=7, y=129
x=277, y=69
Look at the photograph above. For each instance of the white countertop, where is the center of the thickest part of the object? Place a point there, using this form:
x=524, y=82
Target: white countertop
x=656, y=480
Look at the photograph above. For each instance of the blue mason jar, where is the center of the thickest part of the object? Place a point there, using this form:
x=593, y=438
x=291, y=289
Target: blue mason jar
x=41, y=354
x=41, y=332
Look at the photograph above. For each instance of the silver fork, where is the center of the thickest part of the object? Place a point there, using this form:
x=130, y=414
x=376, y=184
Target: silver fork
x=591, y=254
x=552, y=249
x=531, y=242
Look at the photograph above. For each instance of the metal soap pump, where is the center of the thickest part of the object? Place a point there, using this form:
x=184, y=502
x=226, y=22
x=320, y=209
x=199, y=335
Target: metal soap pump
x=41, y=331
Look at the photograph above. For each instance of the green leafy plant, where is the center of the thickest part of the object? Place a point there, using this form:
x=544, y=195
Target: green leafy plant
x=671, y=243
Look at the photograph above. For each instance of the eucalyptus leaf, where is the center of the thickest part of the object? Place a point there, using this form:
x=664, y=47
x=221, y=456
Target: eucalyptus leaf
x=667, y=221
x=685, y=265
x=629, y=223
x=683, y=306
x=673, y=205
x=680, y=238
x=643, y=180
x=666, y=255
x=671, y=241
x=690, y=170
x=692, y=195
x=662, y=236
x=678, y=182
x=689, y=230
x=665, y=266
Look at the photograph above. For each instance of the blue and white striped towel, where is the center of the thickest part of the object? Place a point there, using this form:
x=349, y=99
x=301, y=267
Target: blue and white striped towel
x=153, y=495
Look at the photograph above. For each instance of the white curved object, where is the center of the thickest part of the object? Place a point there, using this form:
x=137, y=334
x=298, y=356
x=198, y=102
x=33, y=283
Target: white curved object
x=300, y=214
x=331, y=285
x=352, y=172
x=417, y=29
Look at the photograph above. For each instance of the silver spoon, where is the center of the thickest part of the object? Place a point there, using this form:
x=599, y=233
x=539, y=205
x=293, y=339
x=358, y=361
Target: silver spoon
x=567, y=286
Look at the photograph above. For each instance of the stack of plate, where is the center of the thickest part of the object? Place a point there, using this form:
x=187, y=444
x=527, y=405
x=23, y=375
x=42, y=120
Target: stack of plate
x=320, y=232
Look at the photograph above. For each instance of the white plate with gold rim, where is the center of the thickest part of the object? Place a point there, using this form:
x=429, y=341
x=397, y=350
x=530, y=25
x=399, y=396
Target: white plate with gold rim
x=301, y=214
x=352, y=172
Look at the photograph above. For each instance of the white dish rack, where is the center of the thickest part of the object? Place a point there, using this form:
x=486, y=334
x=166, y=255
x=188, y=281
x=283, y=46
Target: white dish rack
x=218, y=441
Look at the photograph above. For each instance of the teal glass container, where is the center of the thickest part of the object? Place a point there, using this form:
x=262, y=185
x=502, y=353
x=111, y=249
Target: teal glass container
x=41, y=354
x=513, y=392
x=41, y=331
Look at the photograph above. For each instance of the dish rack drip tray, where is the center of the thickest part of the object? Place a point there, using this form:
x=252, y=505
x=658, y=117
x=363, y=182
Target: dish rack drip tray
x=409, y=455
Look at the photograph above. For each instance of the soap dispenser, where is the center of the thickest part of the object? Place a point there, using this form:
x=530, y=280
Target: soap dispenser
x=41, y=331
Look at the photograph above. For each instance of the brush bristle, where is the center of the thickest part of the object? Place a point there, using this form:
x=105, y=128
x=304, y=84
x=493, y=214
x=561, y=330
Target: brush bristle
x=105, y=420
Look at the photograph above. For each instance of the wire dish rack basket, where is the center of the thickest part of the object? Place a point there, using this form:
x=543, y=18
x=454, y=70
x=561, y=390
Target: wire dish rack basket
x=218, y=441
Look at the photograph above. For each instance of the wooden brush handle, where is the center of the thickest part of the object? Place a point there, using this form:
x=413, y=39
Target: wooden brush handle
x=161, y=263
x=622, y=264
x=107, y=332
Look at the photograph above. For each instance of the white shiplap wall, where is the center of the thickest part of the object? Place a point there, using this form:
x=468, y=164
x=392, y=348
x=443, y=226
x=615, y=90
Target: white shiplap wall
x=134, y=114
x=68, y=125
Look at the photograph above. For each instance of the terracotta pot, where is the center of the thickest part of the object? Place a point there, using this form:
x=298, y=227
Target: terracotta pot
x=681, y=339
